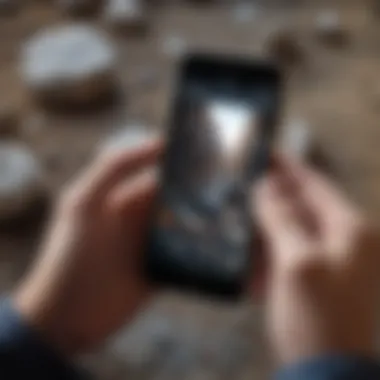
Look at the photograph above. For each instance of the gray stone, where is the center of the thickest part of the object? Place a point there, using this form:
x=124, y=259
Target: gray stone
x=69, y=65
x=21, y=179
x=126, y=15
x=329, y=28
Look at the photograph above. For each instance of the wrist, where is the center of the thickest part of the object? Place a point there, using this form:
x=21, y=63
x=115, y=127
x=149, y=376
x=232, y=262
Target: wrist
x=41, y=314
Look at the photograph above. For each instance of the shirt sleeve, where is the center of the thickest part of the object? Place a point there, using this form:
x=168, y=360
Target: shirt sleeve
x=334, y=367
x=23, y=354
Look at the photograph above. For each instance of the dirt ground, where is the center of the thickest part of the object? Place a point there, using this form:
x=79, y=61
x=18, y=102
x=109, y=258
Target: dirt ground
x=337, y=89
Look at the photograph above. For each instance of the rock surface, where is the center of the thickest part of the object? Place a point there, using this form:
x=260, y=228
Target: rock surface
x=69, y=65
x=21, y=179
x=128, y=15
x=329, y=28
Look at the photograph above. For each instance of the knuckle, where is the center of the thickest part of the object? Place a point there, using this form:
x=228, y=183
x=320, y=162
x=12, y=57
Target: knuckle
x=110, y=158
x=307, y=269
x=72, y=200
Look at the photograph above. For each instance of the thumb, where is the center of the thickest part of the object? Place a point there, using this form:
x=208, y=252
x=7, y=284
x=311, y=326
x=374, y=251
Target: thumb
x=277, y=214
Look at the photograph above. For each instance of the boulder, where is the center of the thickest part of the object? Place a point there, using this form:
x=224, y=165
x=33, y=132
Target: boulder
x=70, y=65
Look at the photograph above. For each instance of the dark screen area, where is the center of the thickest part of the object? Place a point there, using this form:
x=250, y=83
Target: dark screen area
x=202, y=230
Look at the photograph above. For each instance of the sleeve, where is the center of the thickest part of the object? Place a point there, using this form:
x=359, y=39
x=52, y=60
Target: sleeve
x=23, y=354
x=334, y=367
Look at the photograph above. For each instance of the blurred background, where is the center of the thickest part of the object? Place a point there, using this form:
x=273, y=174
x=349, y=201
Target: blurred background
x=81, y=76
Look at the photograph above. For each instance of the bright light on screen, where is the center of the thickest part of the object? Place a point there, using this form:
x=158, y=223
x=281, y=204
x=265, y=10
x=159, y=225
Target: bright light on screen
x=234, y=126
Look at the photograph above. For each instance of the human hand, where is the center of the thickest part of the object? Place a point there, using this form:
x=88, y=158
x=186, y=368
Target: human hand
x=87, y=281
x=324, y=263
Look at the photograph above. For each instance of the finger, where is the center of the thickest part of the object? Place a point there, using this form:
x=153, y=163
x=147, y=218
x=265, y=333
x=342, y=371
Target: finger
x=321, y=195
x=110, y=169
x=278, y=213
x=135, y=195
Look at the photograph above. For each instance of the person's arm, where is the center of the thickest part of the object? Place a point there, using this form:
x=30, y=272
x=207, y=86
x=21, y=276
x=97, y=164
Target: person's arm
x=323, y=277
x=24, y=354
x=86, y=281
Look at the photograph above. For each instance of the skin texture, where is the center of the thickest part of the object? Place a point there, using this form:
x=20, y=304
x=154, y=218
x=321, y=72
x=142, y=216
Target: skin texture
x=322, y=259
x=87, y=281
x=323, y=263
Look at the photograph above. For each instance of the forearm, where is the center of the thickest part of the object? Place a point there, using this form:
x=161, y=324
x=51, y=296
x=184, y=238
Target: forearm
x=23, y=353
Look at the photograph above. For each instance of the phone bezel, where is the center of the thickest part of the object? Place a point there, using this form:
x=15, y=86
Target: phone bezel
x=165, y=273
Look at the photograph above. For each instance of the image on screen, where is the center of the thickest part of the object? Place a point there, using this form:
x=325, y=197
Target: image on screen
x=202, y=221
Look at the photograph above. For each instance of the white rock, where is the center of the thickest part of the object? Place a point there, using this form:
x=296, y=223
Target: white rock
x=126, y=14
x=327, y=20
x=73, y=64
x=21, y=179
x=129, y=137
x=297, y=139
x=328, y=25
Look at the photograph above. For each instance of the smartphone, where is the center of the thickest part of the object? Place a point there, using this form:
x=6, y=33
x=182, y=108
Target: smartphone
x=222, y=125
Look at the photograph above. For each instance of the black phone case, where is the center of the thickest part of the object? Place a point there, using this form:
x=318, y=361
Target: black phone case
x=158, y=266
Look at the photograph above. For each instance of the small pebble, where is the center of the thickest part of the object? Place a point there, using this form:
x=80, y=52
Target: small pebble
x=22, y=179
x=128, y=15
x=329, y=27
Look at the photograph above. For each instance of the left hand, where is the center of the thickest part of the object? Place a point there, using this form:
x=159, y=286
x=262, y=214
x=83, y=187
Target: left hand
x=87, y=281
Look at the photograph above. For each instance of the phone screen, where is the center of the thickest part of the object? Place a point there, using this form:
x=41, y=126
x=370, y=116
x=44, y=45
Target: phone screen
x=202, y=229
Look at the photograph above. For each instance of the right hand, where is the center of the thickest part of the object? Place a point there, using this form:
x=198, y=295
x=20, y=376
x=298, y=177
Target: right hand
x=324, y=266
